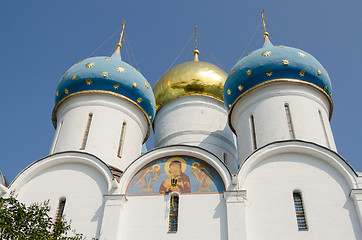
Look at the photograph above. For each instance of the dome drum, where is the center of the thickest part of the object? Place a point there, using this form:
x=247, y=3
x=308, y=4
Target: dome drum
x=106, y=75
x=271, y=64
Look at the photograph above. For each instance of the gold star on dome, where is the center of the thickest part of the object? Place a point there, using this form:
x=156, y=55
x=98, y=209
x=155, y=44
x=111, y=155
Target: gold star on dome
x=229, y=92
x=139, y=100
x=302, y=73
x=66, y=91
x=133, y=68
x=232, y=71
x=319, y=72
x=120, y=69
x=116, y=86
x=301, y=54
x=240, y=87
x=146, y=85
x=229, y=105
x=108, y=59
x=269, y=73
x=80, y=61
x=249, y=72
x=151, y=102
x=249, y=53
x=88, y=81
x=266, y=54
x=330, y=94
x=104, y=74
x=150, y=117
x=57, y=93
x=281, y=46
x=74, y=78
x=65, y=74
x=134, y=85
x=325, y=88
x=285, y=62
x=89, y=65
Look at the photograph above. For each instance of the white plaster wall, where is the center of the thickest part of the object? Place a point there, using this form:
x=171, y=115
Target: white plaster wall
x=109, y=113
x=266, y=104
x=201, y=216
x=197, y=121
x=82, y=186
x=270, y=211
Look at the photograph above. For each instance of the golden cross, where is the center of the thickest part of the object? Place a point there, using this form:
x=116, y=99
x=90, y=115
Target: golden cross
x=262, y=15
x=195, y=36
x=122, y=34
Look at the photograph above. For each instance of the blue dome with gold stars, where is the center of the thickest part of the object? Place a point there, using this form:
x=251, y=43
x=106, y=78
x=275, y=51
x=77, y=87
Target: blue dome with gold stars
x=271, y=64
x=107, y=75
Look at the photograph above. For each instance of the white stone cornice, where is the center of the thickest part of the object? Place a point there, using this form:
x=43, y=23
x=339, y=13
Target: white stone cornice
x=356, y=194
x=235, y=196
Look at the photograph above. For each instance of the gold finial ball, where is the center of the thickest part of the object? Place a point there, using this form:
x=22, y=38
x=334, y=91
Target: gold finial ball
x=119, y=45
x=196, y=52
x=266, y=34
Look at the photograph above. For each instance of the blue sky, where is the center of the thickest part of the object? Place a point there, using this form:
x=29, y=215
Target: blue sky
x=40, y=40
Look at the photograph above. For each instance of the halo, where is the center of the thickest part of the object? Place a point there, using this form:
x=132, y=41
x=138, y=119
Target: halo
x=196, y=165
x=181, y=160
x=156, y=166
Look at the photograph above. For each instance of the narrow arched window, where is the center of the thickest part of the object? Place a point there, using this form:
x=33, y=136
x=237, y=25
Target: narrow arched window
x=324, y=128
x=173, y=218
x=86, y=132
x=299, y=211
x=60, y=210
x=253, y=135
x=121, y=139
x=289, y=120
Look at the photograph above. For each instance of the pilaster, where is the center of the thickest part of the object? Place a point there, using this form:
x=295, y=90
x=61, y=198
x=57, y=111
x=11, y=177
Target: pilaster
x=235, y=205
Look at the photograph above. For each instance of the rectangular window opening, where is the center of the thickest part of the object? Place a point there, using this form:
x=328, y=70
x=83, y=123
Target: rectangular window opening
x=253, y=135
x=173, y=218
x=60, y=211
x=289, y=120
x=86, y=132
x=299, y=211
x=121, y=139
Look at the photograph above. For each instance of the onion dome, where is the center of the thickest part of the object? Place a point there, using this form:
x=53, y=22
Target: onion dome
x=275, y=64
x=107, y=75
x=190, y=78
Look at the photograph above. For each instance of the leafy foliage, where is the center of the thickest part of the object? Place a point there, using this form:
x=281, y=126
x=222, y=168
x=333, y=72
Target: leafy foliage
x=18, y=221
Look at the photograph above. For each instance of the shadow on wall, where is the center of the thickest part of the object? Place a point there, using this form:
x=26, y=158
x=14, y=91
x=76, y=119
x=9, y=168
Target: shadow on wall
x=220, y=213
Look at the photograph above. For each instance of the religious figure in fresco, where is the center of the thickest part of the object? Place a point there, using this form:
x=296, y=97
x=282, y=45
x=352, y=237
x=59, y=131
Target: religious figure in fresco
x=203, y=174
x=176, y=180
x=147, y=177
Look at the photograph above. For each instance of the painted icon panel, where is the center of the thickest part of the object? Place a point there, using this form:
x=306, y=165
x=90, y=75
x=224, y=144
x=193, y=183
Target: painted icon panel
x=186, y=175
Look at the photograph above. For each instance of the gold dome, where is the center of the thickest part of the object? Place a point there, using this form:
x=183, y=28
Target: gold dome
x=190, y=78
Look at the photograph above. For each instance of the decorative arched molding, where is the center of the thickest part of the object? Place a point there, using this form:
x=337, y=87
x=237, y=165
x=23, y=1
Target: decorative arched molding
x=62, y=158
x=299, y=147
x=175, y=150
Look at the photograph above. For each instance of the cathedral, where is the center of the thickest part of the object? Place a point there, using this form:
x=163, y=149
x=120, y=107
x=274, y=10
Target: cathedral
x=244, y=155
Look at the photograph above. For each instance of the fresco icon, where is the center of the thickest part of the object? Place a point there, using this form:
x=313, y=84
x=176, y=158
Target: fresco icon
x=183, y=174
x=176, y=179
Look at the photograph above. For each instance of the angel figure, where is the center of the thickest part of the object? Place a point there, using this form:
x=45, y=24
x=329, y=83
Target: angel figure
x=147, y=177
x=203, y=174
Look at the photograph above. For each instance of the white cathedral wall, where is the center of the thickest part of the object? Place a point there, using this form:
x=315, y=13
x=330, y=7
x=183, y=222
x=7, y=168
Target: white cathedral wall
x=82, y=186
x=197, y=121
x=270, y=211
x=266, y=104
x=201, y=216
x=109, y=113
